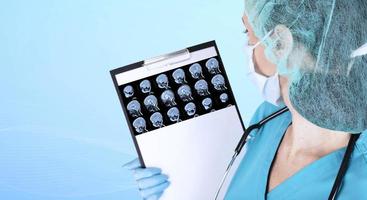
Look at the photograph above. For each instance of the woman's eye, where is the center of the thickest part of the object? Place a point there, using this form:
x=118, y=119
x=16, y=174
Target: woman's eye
x=245, y=31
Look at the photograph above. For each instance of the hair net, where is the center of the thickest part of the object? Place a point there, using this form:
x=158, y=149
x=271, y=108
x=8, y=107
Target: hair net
x=331, y=91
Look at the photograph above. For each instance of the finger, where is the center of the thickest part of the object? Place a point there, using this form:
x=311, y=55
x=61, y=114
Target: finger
x=140, y=173
x=132, y=164
x=154, y=196
x=152, y=181
x=154, y=190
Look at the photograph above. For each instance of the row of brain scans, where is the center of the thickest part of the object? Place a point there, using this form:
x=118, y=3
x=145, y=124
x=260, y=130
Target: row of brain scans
x=176, y=95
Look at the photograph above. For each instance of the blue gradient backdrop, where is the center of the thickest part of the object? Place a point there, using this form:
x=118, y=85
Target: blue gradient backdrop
x=62, y=131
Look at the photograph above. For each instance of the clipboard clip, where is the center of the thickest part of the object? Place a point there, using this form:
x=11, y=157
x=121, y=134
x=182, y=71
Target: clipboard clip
x=167, y=59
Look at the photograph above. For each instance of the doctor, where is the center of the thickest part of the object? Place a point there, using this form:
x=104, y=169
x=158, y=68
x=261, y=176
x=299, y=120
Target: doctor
x=307, y=55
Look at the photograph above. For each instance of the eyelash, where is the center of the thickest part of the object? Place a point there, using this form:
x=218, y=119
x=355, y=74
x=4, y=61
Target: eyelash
x=245, y=31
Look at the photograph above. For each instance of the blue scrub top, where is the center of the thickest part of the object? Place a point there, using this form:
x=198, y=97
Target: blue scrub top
x=314, y=181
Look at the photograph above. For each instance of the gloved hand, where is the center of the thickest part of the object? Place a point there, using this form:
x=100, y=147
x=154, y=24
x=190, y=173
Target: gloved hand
x=151, y=181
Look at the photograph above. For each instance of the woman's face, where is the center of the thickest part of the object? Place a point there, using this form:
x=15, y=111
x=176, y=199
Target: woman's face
x=262, y=64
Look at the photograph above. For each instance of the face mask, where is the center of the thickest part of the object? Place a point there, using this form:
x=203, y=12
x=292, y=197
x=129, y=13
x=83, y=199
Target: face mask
x=268, y=86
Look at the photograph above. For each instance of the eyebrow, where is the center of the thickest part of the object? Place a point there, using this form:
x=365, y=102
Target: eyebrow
x=246, y=29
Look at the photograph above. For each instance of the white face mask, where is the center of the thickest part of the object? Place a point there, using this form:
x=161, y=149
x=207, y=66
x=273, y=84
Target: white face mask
x=268, y=86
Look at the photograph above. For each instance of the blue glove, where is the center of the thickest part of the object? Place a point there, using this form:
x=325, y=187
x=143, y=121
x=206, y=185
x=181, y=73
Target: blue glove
x=151, y=181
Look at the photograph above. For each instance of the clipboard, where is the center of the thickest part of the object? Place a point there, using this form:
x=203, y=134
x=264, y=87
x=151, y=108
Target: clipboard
x=183, y=118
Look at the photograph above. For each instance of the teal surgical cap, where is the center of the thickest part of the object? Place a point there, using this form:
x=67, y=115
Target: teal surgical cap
x=331, y=91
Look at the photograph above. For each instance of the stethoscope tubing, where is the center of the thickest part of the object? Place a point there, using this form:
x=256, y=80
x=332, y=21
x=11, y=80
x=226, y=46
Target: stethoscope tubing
x=242, y=143
x=342, y=170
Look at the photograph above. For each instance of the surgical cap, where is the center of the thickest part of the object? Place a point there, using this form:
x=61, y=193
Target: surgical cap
x=332, y=91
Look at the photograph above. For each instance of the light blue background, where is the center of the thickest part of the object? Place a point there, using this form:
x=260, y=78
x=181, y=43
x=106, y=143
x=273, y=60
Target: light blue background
x=62, y=131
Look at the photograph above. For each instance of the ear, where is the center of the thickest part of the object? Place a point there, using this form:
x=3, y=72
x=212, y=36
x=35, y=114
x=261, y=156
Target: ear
x=283, y=41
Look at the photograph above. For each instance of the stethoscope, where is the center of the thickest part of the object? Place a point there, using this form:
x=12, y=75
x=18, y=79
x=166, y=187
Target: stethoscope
x=342, y=169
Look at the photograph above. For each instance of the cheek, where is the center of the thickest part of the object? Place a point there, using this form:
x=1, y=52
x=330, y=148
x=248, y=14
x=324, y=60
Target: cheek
x=252, y=39
x=263, y=65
